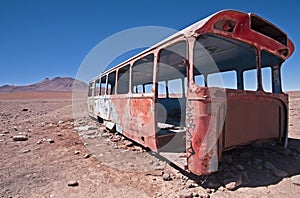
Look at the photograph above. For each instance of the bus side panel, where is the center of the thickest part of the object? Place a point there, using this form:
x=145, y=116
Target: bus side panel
x=91, y=108
x=255, y=118
x=134, y=118
x=102, y=107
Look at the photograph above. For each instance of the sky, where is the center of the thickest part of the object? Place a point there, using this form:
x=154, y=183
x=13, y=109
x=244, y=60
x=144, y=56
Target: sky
x=49, y=38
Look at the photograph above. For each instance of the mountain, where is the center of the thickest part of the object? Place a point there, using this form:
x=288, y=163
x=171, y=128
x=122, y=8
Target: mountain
x=57, y=84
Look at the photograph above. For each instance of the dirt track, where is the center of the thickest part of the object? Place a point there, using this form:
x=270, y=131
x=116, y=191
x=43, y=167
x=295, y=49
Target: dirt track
x=55, y=154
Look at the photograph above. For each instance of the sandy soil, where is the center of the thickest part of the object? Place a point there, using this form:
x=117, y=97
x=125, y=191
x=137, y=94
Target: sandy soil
x=61, y=150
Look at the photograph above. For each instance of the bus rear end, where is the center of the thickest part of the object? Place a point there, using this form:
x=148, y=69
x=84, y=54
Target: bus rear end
x=235, y=94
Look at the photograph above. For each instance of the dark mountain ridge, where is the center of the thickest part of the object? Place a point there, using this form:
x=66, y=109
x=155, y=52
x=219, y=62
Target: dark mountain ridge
x=57, y=84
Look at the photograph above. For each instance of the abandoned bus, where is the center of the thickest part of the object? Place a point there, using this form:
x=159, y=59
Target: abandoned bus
x=166, y=98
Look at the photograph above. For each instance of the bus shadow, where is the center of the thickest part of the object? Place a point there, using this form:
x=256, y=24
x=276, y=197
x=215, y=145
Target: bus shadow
x=254, y=165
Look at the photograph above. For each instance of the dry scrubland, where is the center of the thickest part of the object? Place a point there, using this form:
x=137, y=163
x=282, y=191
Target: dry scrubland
x=63, y=157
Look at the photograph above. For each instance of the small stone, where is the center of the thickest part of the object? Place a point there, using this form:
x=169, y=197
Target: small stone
x=245, y=155
x=185, y=194
x=190, y=184
x=245, y=175
x=26, y=151
x=208, y=190
x=5, y=132
x=105, y=135
x=85, y=144
x=166, y=177
x=227, y=158
x=131, y=164
x=15, y=128
x=296, y=180
x=257, y=162
x=128, y=143
x=233, y=183
x=279, y=173
x=228, y=174
x=25, y=109
x=60, y=122
x=73, y=183
x=213, y=184
x=257, y=145
x=239, y=167
x=268, y=165
x=284, y=151
x=50, y=141
x=92, y=128
x=76, y=152
x=39, y=142
x=298, y=149
x=86, y=156
x=222, y=188
x=116, y=139
x=20, y=138
x=2, y=134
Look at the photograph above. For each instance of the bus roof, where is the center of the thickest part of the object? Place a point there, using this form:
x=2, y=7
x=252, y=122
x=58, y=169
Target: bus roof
x=205, y=26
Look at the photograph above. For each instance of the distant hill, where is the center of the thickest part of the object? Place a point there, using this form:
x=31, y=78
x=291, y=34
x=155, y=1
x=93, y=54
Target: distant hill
x=57, y=84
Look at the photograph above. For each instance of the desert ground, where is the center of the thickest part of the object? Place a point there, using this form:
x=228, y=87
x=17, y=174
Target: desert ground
x=45, y=152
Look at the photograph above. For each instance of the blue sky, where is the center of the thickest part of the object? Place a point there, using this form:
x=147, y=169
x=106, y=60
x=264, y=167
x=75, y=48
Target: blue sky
x=40, y=39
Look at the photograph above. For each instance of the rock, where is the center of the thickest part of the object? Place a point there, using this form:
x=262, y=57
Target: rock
x=92, y=128
x=233, y=183
x=76, y=152
x=166, y=177
x=228, y=174
x=86, y=156
x=245, y=175
x=5, y=132
x=105, y=135
x=185, y=194
x=190, y=184
x=257, y=145
x=60, y=122
x=213, y=184
x=25, y=109
x=73, y=183
x=26, y=151
x=295, y=155
x=284, y=151
x=239, y=167
x=39, y=142
x=298, y=149
x=245, y=155
x=15, y=128
x=257, y=162
x=116, y=139
x=2, y=134
x=279, y=173
x=131, y=165
x=268, y=165
x=296, y=180
x=50, y=141
x=222, y=188
x=128, y=143
x=59, y=134
x=20, y=138
x=227, y=159
x=90, y=133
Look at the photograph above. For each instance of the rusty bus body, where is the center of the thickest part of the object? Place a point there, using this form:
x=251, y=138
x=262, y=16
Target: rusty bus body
x=156, y=98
